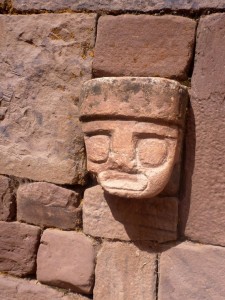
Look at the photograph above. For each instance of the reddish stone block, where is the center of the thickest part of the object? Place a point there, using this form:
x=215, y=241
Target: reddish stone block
x=203, y=206
x=7, y=200
x=129, y=45
x=129, y=219
x=192, y=271
x=49, y=56
x=66, y=260
x=48, y=205
x=18, y=248
x=12, y=288
x=125, y=271
x=117, y=5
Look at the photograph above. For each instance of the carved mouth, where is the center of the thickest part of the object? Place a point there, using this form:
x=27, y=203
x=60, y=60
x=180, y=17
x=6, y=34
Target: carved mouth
x=123, y=181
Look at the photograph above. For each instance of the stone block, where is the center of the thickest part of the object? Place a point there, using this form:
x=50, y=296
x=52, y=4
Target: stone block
x=18, y=248
x=44, y=59
x=117, y=5
x=192, y=271
x=129, y=219
x=125, y=271
x=203, y=206
x=66, y=260
x=7, y=200
x=12, y=288
x=131, y=45
x=47, y=205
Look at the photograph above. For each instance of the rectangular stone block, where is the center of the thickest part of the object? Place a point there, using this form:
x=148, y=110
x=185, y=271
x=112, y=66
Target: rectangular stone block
x=203, y=206
x=130, y=45
x=66, y=259
x=18, y=248
x=192, y=271
x=117, y=5
x=7, y=200
x=125, y=271
x=12, y=288
x=44, y=59
x=129, y=219
x=48, y=205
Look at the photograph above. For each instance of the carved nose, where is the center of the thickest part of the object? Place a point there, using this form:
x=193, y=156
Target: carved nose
x=122, y=157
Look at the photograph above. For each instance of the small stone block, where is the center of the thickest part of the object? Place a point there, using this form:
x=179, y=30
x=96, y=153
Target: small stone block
x=66, y=260
x=48, y=205
x=18, y=248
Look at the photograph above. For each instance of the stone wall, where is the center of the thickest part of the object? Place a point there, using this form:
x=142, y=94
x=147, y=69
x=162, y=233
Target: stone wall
x=61, y=236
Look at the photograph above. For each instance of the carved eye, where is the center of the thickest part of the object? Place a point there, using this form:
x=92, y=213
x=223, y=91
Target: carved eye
x=152, y=152
x=97, y=147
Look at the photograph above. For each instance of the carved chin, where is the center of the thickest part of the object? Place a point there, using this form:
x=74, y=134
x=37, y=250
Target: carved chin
x=128, y=185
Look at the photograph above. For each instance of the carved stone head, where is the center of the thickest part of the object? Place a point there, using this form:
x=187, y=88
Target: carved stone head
x=132, y=128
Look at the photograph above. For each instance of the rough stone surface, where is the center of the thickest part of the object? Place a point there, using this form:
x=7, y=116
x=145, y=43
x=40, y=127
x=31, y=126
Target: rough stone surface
x=75, y=257
x=129, y=219
x=14, y=288
x=203, y=205
x=125, y=271
x=192, y=271
x=18, y=248
x=131, y=137
x=118, y=5
x=130, y=45
x=7, y=200
x=48, y=205
x=44, y=59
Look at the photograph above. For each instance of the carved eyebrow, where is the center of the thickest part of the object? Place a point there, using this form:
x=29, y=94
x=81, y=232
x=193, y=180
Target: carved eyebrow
x=94, y=132
x=147, y=135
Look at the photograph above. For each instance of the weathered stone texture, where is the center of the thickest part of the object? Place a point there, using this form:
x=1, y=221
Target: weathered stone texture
x=117, y=5
x=44, y=59
x=18, y=247
x=205, y=188
x=7, y=200
x=192, y=271
x=67, y=260
x=130, y=45
x=125, y=271
x=129, y=219
x=48, y=205
x=15, y=288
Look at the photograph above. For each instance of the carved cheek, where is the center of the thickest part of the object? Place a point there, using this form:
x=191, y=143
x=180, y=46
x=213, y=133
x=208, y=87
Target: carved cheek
x=152, y=152
x=97, y=148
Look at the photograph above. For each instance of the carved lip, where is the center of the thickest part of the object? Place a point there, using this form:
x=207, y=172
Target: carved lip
x=123, y=181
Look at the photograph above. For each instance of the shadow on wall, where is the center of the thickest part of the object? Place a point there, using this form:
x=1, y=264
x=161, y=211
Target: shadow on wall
x=188, y=168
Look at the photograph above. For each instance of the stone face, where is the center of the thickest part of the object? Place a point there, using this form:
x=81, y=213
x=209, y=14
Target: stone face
x=129, y=219
x=48, y=205
x=131, y=133
x=14, y=288
x=75, y=257
x=18, y=248
x=44, y=59
x=125, y=271
x=7, y=200
x=192, y=271
x=203, y=206
x=117, y=5
x=131, y=45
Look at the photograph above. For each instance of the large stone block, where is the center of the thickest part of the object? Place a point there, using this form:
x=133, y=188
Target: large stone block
x=48, y=205
x=192, y=271
x=130, y=45
x=67, y=260
x=117, y=5
x=129, y=219
x=18, y=248
x=7, y=200
x=15, y=288
x=44, y=59
x=203, y=206
x=125, y=271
